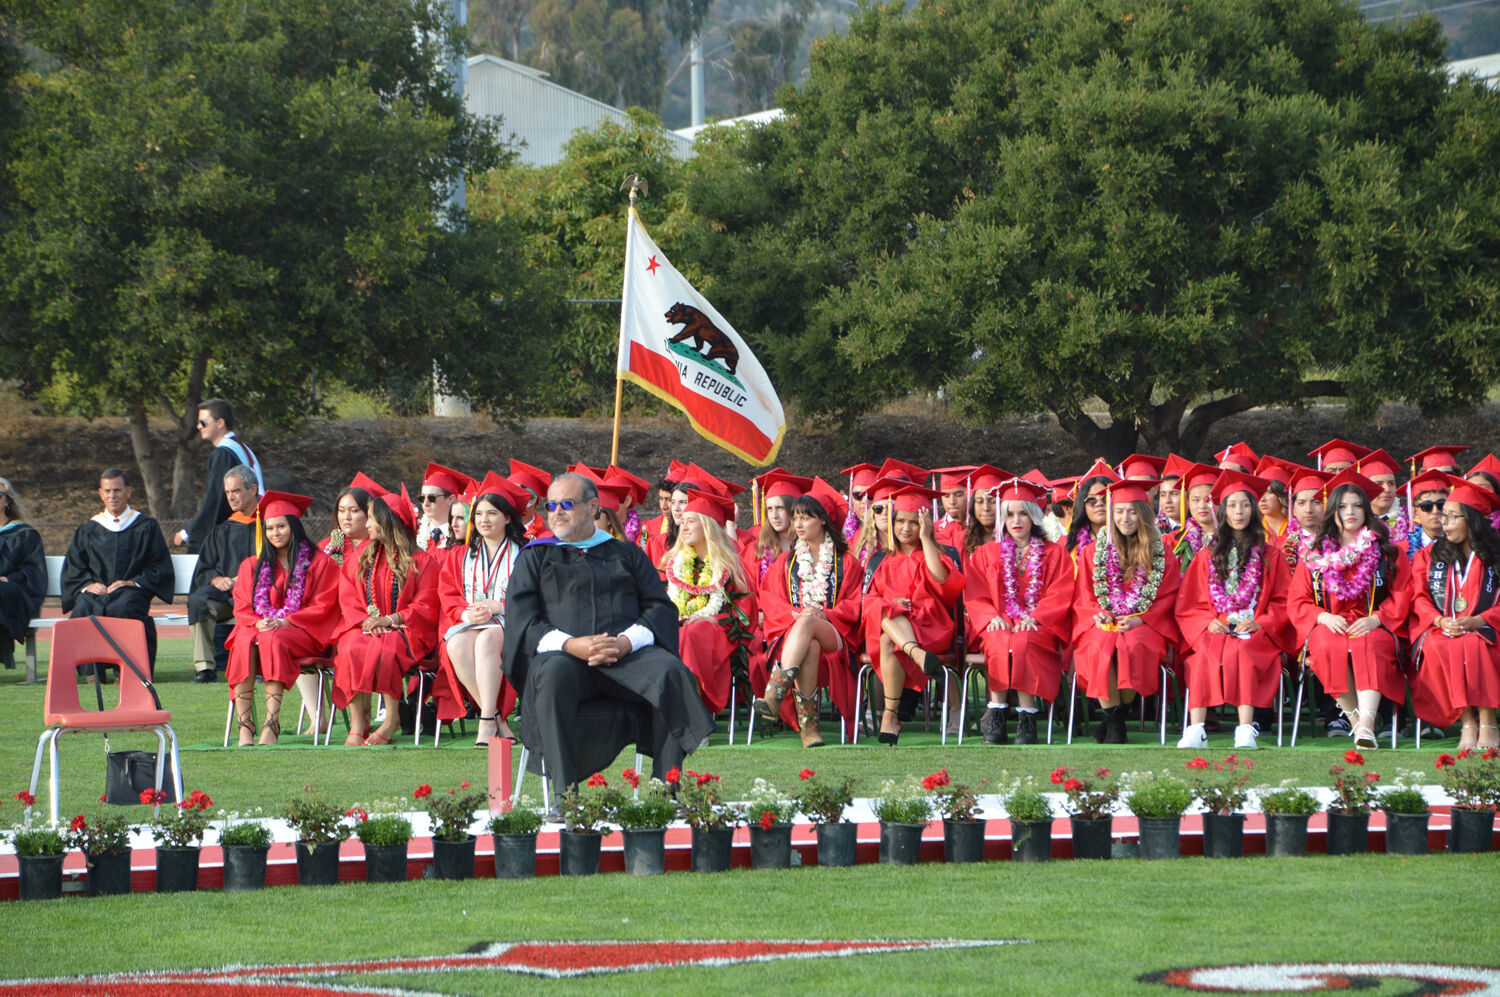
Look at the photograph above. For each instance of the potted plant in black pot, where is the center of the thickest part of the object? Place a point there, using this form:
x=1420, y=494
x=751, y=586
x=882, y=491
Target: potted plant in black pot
x=584, y=810
x=904, y=808
x=1158, y=801
x=1030, y=814
x=643, y=820
x=1349, y=810
x=321, y=827
x=451, y=815
x=1472, y=782
x=1406, y=815
x=39, y=852
x=824, y=799
x=385, y=837
x=245, y=843
x=178, y=831
x=712, y=819
x=1222, y=788
x=769, y=812
x=1287, y=810
x=1090, y=801
x=514, y=831
x=958, y=805
x=106, y=849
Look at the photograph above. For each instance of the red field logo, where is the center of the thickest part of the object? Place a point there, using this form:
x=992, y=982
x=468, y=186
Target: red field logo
x=1310, y=977
x=553, y=959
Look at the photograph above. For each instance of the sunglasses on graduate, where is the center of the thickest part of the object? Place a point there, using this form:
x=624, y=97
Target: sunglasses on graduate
x=878, y=510
x=1431, y=506
x=566, y=505
x=433, y=498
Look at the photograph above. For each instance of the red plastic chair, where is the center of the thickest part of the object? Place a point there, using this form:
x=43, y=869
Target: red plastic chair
x=78, y=642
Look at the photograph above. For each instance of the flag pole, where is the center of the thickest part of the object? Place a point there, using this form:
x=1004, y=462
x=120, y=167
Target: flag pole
x=635, y=184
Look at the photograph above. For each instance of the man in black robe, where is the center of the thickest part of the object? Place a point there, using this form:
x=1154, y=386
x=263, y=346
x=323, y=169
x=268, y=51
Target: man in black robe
x=211, y=601
x=117, y=561
x=216, y=425
x=23, y=573
x=588, y=620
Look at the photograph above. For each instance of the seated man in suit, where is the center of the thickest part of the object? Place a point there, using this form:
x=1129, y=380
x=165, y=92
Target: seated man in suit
x=587, y=618
x=219, y=556
x=117, y=561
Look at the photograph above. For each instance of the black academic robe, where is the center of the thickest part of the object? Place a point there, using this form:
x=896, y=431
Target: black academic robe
x=222, y=552
x=24, y=568
x=605, y=589
x=137, y=553
x=213, y=508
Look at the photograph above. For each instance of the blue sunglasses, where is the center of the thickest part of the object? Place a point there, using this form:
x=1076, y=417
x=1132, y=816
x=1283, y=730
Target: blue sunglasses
x=566, y=505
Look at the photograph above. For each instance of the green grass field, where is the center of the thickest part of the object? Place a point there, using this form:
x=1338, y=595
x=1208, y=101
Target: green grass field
x=1093, y=927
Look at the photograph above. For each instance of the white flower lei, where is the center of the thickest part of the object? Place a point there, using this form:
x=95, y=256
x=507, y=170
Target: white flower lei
x=813, y=578
x=693, y=605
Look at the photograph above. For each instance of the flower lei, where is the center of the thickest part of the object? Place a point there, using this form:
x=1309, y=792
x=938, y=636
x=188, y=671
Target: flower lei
x=692, y=587
x=1193, y=536
x=1022, y=609
x=1398, y=520
x=1331, y=562
x=766, y=560
x=633, y=526
x=813, y=578
x=851, y=523
x=1240, y=590
x=1109, y=578
x=294, y=592
x=335, y=548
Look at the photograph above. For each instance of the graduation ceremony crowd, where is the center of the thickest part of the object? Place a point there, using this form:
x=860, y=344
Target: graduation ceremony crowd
x=594, y=583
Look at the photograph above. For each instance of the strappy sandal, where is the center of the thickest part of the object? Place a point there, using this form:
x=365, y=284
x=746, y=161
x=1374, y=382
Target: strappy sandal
x=1481, y=743
x=932, y=665
x=1364, y=733
x=1467, y=741
x=272, y=726
x=890, y=737
x=245, y=720
x=480, y=739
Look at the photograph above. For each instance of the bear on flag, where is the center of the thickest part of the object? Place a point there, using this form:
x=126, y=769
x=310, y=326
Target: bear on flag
x=676, y=346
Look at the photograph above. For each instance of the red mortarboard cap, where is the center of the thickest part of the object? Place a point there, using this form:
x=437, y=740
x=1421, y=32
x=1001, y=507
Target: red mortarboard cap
x=831, y=501
x=911, y=498
x=1062, y=488
x=1142, y=466
x=719, y=508
x=893, y=468
x=782, y=484
x=1487, y=464
x=1307, y=479
x=1231, y=482
x=369, y=484
x=861, y=474
x=987, y=476
x=581, y=466
x=1432, y=481
x=639, y=486
x=1476, y=497
x=588, y=472
x=1175, y=466
x=1349, y=476
x=401, y=506
x=1239, y=454
x=674, y=469
x=614, y=494
x=1435, y=457
x=1339, y=452
x=1276, y=469
x=694, y=476
x=1021, y=490
x=533, y=479
x=1194, y=475
x=1099, y=469
x=283, y=504
x=1129, y=491
x=447, y=479
x=1377, y=462
x=953, y=478
x=494, y=484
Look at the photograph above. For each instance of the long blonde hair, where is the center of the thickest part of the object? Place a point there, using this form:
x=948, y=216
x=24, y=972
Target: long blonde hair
x=1135, y=550
x=392, y=536
x=722, y=556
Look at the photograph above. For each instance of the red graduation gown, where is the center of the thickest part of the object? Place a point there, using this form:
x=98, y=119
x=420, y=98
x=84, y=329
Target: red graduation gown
x=1028, y=661
x=1456, y=672
x=448, y=691
x=833, y=667
x=704, y=646
x=1138, y=652
x=905, y=576
x=375, y=662
x=1238, y=670
x=950, y=533
x=307, y=633
x=1374, y=656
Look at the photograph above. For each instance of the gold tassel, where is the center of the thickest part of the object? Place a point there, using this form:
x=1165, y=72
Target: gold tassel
x=260, y=532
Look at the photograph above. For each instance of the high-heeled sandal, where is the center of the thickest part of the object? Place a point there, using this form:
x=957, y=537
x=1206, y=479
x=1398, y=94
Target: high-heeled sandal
x=932, y=665
x=272, y=725
x=1467, y=740
x=886, y=736
x=1494, y=744
x=245, y=719
x=480, y=740
x=1364, y=733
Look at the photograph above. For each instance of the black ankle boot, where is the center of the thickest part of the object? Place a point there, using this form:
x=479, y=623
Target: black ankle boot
x=1116, y=722
x=1026, y=728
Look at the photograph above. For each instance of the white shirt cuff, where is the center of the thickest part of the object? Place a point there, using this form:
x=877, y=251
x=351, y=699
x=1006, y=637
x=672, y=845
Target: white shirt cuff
x=552, y=640
x=639, y=636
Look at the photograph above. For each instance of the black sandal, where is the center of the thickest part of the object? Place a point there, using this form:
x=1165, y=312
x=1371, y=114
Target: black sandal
x=932, y=665
x=890, y=737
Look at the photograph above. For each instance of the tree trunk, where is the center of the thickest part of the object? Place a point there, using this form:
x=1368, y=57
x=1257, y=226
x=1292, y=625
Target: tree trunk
x=145, y=459
x=184, y=495
x=1114, y=442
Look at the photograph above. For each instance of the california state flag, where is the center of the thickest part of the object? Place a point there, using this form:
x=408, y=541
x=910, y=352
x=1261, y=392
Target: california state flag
x=676, y=346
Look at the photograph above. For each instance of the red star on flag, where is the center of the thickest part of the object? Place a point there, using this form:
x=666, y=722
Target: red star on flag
x=651, y=265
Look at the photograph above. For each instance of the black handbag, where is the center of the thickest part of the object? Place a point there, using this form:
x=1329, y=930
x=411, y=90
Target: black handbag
x=127, y=774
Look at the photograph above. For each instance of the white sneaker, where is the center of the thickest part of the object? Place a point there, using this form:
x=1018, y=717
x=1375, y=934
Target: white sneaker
x=1193, y=736
x=1245, y=737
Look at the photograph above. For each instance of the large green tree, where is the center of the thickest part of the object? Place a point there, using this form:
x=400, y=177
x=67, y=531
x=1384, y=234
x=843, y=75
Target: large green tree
x=244, y=198
x=1182, y=209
